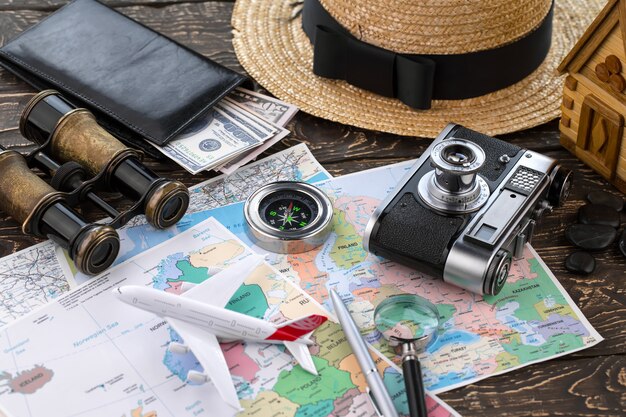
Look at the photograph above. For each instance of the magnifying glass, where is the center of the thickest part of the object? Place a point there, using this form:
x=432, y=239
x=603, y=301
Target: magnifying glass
x=409, y=323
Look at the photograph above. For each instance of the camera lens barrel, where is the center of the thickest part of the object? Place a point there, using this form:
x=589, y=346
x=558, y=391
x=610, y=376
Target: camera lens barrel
x=454, y=185
x=75, y=135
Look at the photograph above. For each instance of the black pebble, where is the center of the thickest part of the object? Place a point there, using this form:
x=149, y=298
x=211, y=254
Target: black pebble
x=608, y=199
x=591, y=236
x=622, y=243
x=580, y=263
x=598, y=214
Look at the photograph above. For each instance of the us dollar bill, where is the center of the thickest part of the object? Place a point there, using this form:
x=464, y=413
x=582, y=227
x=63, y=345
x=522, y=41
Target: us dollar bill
x=268, y=108
x=212, y=140
x=236, y=131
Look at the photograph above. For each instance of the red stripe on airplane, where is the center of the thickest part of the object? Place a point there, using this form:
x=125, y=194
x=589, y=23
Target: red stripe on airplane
x=297, y=329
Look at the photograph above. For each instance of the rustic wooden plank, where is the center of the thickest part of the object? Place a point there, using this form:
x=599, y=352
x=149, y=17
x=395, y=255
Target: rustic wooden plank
x=589, y=383
x=581, y=387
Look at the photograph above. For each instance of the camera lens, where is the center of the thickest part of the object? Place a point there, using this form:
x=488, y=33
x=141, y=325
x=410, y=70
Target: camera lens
x=454, y=185
x=458, y=154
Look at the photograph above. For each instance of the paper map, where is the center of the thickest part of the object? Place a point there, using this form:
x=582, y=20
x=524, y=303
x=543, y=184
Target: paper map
x=533, y=319
x=114, y=361
x=50, y=273
x=294, y=164
x=29, y=279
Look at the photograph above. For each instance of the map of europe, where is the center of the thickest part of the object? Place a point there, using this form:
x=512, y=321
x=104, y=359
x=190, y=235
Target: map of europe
x=131, y=371
x=532, y=319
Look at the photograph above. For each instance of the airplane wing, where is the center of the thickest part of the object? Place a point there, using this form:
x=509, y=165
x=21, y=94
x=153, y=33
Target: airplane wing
x=301, y=352
x=218, y=289
x=207, y=350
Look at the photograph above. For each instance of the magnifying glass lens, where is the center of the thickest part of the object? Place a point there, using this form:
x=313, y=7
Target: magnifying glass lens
x=406, y=317
x=409, y=322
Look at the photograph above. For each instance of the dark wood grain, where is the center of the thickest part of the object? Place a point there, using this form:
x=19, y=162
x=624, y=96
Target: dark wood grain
x=588, y=383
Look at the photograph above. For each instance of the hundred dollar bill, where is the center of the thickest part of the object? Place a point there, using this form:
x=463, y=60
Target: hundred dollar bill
x=269, y=108
x=266, y=108
x=257, y=125
x=212, y=140
x=237, y=162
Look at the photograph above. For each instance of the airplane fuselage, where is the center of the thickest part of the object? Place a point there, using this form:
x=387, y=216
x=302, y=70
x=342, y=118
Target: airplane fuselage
x=223, y=323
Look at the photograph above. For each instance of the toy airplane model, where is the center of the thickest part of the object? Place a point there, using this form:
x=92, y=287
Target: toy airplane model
x=199, y=318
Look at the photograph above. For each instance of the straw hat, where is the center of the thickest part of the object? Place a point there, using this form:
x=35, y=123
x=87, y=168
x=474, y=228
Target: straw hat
x=272, y=46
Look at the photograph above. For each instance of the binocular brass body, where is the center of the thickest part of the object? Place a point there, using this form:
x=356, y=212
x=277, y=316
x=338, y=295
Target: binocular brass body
x=81, y=157
x=41, y=211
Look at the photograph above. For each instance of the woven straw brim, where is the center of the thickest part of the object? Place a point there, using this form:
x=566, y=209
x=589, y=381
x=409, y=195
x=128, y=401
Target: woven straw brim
x=274, y=50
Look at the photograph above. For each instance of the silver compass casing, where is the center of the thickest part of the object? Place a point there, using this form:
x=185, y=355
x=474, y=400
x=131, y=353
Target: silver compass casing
x=288, y=241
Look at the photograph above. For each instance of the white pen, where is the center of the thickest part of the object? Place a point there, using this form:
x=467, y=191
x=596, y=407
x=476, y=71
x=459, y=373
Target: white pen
x=381, y=399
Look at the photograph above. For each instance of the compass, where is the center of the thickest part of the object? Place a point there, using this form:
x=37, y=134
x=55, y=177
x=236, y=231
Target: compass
x=288, y=217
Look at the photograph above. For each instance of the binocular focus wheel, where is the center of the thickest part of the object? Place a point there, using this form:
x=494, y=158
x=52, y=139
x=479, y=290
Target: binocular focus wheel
x=65, y=173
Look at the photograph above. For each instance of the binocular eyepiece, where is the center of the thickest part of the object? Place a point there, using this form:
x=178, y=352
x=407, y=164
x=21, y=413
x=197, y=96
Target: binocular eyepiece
x=81, y=157
x=71, y=134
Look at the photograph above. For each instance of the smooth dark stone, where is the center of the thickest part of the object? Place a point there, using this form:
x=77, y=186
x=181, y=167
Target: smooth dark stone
x=598, y=214
x=581, y=263
x=608, y=199
x=622, y=243
x=591, y=236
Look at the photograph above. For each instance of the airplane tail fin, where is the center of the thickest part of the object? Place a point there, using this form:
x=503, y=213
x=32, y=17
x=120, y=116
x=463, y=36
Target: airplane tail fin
x=295, y=329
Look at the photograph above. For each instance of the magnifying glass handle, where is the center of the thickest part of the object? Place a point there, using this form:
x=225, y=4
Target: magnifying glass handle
x=414, y=386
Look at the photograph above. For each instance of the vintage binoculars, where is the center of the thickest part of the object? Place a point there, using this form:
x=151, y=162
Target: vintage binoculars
x=81, y=157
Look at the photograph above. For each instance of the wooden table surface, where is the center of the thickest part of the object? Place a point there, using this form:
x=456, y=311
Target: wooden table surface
x=588, y=383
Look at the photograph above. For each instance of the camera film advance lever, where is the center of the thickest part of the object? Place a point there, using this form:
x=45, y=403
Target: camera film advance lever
x=466, y=208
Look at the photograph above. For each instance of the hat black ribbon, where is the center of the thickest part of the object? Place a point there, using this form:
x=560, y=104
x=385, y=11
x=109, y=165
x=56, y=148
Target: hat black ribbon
x=417, y=79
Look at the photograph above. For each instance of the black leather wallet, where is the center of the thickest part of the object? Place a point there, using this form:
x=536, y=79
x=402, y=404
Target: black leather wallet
x=139, y=83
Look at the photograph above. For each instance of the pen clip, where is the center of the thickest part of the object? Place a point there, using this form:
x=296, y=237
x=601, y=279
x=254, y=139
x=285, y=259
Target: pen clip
x=373, y=400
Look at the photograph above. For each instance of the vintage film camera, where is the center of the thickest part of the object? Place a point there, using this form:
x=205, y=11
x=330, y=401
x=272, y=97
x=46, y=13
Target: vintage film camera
x=81, y=158
x=466, y=208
